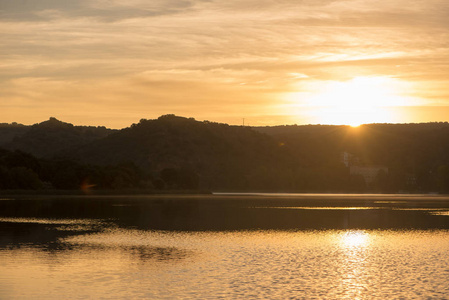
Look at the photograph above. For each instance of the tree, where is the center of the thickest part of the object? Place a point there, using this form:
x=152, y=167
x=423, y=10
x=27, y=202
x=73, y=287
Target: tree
x=23, y=178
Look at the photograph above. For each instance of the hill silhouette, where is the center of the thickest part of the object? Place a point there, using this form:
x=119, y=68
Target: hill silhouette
x=9, y=131
x=51, y=137
x=174, y=152
x=417, y=155
x=225, y=157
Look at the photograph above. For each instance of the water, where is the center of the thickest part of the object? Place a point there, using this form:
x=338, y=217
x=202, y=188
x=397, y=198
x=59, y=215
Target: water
x=225, y=246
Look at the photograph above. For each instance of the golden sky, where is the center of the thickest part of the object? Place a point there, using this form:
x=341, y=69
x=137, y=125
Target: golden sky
x=113, y=62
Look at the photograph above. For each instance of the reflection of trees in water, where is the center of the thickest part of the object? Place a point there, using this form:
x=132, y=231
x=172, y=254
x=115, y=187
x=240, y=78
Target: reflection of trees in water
x=39, y=234
x=55, y=239
x=198, y=213
x=148, y=253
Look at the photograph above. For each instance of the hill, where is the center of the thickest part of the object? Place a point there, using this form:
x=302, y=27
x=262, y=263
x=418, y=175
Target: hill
x=48, y=138
x=225, y=157
x=173, y=152
x=416, y=155
x=9, y=131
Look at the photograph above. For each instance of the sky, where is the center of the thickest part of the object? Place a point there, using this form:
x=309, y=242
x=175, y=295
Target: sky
x=262, y=62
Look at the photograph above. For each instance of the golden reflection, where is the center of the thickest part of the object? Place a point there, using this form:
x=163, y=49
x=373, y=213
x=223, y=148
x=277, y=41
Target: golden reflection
x=323, y=207
x=353, y=261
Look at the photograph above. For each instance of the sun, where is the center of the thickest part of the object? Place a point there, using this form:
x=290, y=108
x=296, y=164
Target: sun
x=354, y=102
x=357, y=101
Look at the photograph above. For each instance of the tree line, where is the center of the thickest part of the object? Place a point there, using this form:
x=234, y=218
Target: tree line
x=23, y=171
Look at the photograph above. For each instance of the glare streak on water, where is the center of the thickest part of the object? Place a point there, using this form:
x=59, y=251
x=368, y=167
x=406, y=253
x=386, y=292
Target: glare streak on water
x=439, y=213
x=133, y=264
x=323, y=207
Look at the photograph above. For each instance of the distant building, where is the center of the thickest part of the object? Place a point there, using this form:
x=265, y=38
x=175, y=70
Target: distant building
x=349, y=159
x=410, y=179
x=369, y=173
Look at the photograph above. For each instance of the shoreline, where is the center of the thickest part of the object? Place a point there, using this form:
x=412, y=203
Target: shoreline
x=101, y=192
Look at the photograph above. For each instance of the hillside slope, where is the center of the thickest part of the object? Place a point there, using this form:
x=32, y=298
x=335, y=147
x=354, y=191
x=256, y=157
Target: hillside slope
x=220, y=157
x=224, y=156
x=51, y=137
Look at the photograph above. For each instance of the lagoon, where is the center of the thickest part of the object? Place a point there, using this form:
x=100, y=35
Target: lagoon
x=233, y=246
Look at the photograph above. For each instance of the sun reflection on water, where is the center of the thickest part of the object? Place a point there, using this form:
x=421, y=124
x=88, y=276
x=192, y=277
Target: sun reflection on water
x=351, y=239
x=353, y=262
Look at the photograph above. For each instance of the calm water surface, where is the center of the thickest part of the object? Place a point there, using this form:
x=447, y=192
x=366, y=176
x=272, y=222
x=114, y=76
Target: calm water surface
x=225, y=246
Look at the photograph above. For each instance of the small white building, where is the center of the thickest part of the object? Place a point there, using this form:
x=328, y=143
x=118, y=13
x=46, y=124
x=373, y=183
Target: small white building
x=349, y=159
x=369, y=173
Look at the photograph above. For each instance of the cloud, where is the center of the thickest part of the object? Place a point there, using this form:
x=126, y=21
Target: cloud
x=106, y=10
x=31, y=10
x=199, y=50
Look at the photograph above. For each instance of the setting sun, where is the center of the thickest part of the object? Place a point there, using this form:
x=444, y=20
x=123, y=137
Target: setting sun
x=357, y=101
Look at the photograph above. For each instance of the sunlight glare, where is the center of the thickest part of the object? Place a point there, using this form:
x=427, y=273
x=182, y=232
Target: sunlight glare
x=360, y=92
x=360, y=100
x=357, y=101
x=353, y=239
